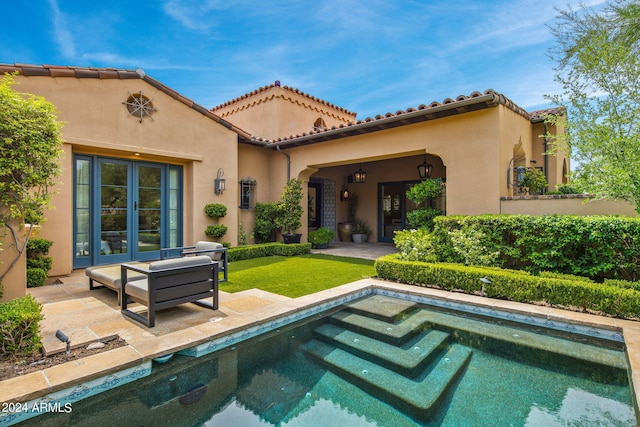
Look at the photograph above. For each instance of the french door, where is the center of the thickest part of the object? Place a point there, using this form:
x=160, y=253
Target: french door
x=125, y=210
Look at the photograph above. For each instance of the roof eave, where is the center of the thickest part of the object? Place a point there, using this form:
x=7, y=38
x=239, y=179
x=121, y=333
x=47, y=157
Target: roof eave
x=421, y=115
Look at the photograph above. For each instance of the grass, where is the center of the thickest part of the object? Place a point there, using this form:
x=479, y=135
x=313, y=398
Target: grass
x=296, y=276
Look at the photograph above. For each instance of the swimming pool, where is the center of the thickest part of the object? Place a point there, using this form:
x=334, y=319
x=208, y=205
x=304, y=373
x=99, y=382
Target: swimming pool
x=369, y=363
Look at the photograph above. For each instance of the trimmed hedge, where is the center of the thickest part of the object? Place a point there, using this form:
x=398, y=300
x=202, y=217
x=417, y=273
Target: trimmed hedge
x=520, y=286
x=599, y=247
x=20, y=327
x=268, y=249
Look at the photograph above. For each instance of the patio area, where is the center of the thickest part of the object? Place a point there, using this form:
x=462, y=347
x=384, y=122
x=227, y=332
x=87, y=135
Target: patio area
x=87, y=316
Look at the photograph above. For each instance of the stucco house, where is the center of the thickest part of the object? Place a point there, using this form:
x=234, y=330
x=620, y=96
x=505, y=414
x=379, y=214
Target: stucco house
x=141, y=161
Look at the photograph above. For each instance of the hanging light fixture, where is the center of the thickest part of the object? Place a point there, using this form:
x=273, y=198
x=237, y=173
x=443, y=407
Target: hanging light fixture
x=359, y=176
x=425, y=169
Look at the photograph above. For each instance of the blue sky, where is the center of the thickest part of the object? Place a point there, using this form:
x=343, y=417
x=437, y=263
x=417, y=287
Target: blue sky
x=368, y=56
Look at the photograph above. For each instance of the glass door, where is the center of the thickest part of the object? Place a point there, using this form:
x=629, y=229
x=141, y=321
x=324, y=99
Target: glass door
x=115, y=199
x=125, y=210
x=147, y=211
x=393, y=208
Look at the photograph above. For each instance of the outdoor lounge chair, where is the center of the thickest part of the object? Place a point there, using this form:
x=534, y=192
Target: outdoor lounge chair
x=168, y=283
x=214, y=250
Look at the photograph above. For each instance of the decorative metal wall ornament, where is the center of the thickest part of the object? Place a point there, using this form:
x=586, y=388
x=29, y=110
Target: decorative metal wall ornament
x=139, y=106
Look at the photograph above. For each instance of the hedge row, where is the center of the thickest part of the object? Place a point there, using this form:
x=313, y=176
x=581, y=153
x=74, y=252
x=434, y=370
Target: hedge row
x=268, y=249
x=513, y=285
x=19, y=326
x=599, y=247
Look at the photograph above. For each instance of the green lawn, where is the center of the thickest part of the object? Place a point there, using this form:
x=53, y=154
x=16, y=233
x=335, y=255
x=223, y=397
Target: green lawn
x=296, y=276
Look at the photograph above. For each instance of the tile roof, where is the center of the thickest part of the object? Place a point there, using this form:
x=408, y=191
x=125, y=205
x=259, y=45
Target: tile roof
x=541, y=115
x=115, y=73
x=291, y=89
x=448, y=107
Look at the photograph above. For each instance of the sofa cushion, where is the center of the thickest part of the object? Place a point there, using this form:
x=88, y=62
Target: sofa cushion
x=166, y=264
x=204, y=245
x=109, y=275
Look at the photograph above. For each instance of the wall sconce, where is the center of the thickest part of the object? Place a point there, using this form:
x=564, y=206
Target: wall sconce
x=219, y=182
x=344, y=193
x=425, y=169
x=359, y=176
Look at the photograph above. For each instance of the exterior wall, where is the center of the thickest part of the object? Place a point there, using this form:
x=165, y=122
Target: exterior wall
x=97, y=123
x=278, y=112
x=466, y=144
x=565, y=205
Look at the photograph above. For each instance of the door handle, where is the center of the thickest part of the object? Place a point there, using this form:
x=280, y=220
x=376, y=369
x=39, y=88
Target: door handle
x=135, y=206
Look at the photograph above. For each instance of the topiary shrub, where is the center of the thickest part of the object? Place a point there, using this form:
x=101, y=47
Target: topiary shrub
x=216, y=231
x=215, y=210
x=38, y=265
x=20, y=327
x=321, y=236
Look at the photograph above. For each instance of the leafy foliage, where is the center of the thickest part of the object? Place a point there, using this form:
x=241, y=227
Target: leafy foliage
x=265, y=227
x=599, y=69
x=420, y=194
x=268, y=249
x=415, y=245
x=289, y=209
x=321, y=236
x=19, y=326
x=598, y=247
x=217, y=230
x=534, y=181
x=215, y=210
x=30, y=142
x=514, y=285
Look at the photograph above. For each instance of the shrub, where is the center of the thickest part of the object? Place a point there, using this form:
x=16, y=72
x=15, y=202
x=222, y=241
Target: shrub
x=38, y=265
x=415, y=245
x=534, y=181
x=19, y=326
x=268, y=249
x=215, y=210
x=264, y=230
x=36, y=277
x=289, y=209
x=420, y=194
x=514, y=285
x=598, y=247
x=321, y=236
x=216, y=231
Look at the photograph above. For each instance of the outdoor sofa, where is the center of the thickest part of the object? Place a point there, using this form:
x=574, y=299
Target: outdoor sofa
x=167, y=283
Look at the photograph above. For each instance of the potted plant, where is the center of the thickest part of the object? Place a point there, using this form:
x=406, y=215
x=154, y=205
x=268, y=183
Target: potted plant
x=346, y=228
x=321, y=237
x=290, y=211
x=361, y=232
x=215, y=211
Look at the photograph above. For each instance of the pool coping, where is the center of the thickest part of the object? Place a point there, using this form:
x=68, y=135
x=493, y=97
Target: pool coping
x=79, y=379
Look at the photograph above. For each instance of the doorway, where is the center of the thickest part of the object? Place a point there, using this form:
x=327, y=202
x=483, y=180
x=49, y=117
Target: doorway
x=124, y=210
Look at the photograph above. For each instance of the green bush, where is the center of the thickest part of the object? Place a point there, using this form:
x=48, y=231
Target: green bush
x=321, y=236
x=597, y=247
x=36, y=247
x=268, y=249
x=38, y=265
x=514, y=285
x=215, y=210
x=36, y=277
x=264, y=230
x=420, y=194
x=415, y=245
x=216, y=231
x=20, y=327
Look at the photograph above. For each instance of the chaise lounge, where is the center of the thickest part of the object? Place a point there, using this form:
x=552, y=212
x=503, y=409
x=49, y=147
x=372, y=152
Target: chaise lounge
x=167, y=283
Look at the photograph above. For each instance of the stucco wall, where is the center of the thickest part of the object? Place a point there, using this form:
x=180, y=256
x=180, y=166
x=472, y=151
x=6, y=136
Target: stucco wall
x=277, y=112
x=565, y=205
x=97, y=123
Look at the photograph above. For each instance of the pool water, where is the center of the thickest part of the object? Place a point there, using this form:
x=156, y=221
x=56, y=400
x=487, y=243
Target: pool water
x=381, y=362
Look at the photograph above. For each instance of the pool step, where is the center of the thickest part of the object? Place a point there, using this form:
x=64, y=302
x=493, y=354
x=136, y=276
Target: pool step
x=409, y=360
x=418, y=397
x=391, y=333
x=382, y=308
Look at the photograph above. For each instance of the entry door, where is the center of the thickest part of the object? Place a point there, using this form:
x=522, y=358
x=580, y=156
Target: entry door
x=130, y=197
x=393, y=208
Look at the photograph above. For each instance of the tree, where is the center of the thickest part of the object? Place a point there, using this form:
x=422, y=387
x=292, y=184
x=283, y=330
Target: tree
x=599, y=70
x=30, y=146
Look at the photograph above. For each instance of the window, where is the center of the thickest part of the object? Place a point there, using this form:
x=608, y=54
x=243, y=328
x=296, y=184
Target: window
x=247, y=193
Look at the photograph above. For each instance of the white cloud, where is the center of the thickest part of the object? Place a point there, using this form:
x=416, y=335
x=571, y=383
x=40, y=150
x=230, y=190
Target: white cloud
x=61, y=33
